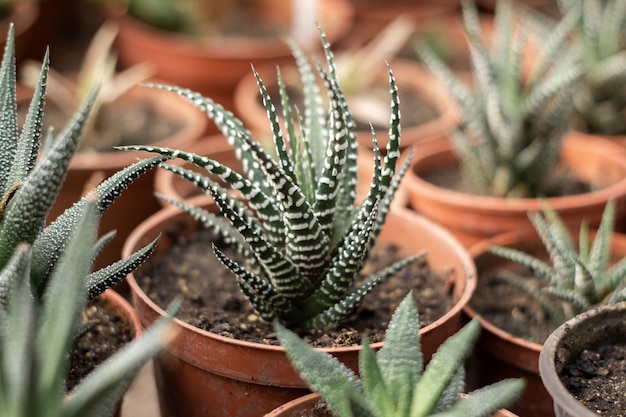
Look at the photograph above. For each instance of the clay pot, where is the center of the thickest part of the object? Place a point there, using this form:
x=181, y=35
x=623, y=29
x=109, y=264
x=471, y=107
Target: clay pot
x=472, y=218
x=601, y=325
x=137, y=202
x=204, y=374
x=499, y=354
x=304, y=403
x=214, y=66
x=409, y=76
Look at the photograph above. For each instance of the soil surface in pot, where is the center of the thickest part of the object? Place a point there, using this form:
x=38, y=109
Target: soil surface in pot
x=214, y=302
x=598, y=379
x=107, y=333
x=450, y=177
x=511, y=309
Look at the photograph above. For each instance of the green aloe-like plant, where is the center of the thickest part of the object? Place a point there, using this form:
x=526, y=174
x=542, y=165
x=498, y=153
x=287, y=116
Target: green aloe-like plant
x=514, y=117
x=45, y=271
x=297, y=225
x=36, y=335
x=31, y=177
x=600, y=101
x=576, y=277
x=392, y=382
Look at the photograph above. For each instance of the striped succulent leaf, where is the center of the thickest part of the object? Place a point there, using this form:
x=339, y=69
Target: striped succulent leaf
x=513, y=117
x=578, y=275
x=392, y=382
x=297, y=222
x=31, y=177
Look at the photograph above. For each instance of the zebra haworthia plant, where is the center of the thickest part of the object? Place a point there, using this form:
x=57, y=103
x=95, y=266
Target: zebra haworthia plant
x=600, y=101
x=514, y=117
x=576, y=277
x=392, y=382
x=31, y=177
x=298, y=227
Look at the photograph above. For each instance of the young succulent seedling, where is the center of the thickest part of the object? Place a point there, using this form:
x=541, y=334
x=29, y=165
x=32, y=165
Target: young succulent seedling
x=514, y=118
x=392, y=382
x=600, y=101
x=297, y=225
x=576, y=277
x=45, y=271
x=31, y=178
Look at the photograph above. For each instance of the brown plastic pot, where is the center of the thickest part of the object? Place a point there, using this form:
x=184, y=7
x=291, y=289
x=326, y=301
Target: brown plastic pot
x=137, y=202
x=204, y=374
x=601, y=325
x=499, y=354
x=472, y=218
x=214, y=66
x=409, y=76
x=304, y=403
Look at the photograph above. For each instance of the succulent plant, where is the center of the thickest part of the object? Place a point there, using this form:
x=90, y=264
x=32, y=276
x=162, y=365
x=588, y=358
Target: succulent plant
x=45, y=276
x=514, y=117
x=37, y=334
x=600, y=101
x=297, y=225
x=392, y=382
x=31, y=178
x=576, y=277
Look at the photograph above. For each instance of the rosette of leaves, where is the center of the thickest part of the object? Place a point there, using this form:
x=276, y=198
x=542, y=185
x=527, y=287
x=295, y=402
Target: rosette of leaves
x=514, y=117
x=36, y=335
x=31, y=177
x=576, y=277
x=297, y=225
x=600, y=101
x=392, y=382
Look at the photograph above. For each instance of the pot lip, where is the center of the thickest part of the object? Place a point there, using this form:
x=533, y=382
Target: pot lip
x=123, y=309
x=234, y=47
x=613, y=153
x=165, y=213
x=194, y=124
x=23, y=15
x=547, y=370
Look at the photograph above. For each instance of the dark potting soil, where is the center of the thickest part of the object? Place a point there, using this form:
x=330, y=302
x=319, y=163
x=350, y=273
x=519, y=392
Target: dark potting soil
x=511, y=309
x=214, y=302
x=107, y=334
x=598, y=379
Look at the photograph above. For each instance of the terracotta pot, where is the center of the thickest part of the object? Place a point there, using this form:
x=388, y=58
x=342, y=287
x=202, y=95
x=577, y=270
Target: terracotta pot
x=23, y=15
x=409, y=75
x=214, y=66
x=598, y=326
x=472, y=218
x=204, y=374
x=498, y=353
x=304, y=403
x=137, y=202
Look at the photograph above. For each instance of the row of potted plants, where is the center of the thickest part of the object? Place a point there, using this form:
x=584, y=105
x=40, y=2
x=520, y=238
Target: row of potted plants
x=299, y=209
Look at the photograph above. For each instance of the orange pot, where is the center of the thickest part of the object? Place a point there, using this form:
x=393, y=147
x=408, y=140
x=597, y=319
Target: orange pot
x=204, y=374
x=214, y=66
x=499, y=354
x=472, y=218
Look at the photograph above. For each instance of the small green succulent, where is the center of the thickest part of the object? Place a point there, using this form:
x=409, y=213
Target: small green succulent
x=392, y=382
x=31, y=177
x=576, y=277
x=600, y=101
x=297, y=225
x=514, y=117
